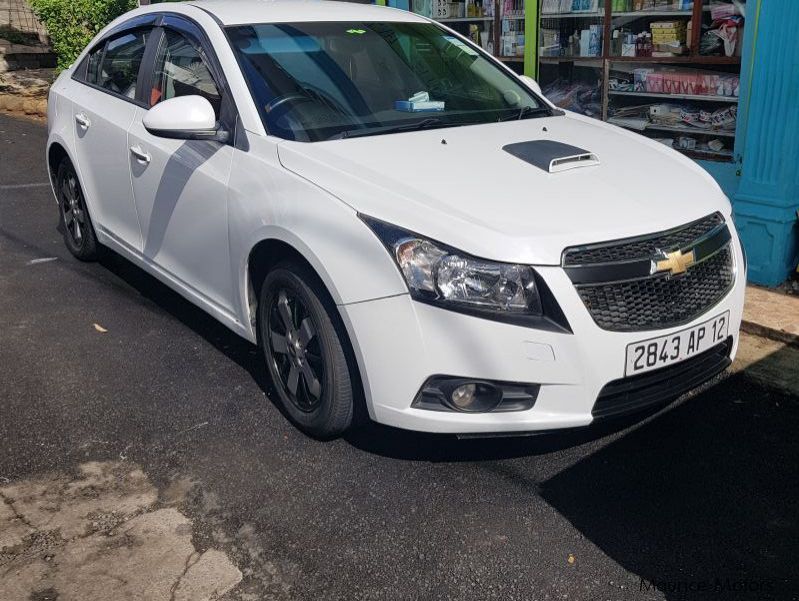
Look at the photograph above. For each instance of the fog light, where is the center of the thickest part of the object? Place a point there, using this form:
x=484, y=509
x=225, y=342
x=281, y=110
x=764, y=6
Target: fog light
x=473, y=397
x=463, y=396
x=453, y=393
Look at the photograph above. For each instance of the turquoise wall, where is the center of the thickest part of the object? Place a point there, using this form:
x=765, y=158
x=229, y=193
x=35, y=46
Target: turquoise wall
x=766, y=197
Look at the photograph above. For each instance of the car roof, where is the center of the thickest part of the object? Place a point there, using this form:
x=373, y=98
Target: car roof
x=241, y=12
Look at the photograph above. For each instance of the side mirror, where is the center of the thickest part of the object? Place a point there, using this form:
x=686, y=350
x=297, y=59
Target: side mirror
x=184, y=118
x=532, y=84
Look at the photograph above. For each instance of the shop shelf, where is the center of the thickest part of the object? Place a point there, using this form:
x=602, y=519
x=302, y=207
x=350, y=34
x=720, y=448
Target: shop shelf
x=510, y=59
x=572, y=15
x=685, y=129
x=654, y=13
x=585, y=82
x=703, y=60
x=593, y=60
x=464, y=19
x=732, y=99
x=707, y=154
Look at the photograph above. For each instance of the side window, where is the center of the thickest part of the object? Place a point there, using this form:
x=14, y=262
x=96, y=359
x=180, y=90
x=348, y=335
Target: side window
x=120, y=66
x=181, y=71
x=93, y=64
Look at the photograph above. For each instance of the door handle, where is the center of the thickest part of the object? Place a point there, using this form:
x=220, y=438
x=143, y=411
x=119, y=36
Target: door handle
x=140, y=154
x=83, y=120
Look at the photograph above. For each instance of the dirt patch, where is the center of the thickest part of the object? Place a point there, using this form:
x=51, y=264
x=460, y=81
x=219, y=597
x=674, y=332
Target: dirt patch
x=25, y=92
x=102, y=534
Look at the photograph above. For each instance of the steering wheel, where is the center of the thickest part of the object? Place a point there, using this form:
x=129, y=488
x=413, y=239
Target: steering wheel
x=286, y=101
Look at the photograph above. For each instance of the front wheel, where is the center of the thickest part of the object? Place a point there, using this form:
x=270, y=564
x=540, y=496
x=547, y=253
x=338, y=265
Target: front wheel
x=304, y=351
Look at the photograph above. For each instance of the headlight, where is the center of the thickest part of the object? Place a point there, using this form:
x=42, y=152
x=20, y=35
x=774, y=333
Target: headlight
x=444, y=276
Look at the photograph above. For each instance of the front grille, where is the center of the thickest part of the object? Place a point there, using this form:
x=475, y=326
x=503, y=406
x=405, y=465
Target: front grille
x=645, y=246
x=623, y=295
x=662, y=301
x=635, y=393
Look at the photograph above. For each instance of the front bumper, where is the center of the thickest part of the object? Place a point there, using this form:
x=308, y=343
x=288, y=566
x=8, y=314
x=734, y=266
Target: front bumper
x=400, y=343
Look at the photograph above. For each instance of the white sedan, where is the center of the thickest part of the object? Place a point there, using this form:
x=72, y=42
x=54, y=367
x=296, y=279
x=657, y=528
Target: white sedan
x=407, y=228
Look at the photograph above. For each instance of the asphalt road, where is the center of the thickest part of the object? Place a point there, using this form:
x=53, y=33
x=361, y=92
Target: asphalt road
x=704, y=494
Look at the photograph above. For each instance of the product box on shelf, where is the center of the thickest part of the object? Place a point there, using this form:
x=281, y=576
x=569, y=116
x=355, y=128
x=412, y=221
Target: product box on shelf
x=667, y=25
x=594, y=41
x=550, y=7
x=640, y=77
x=440, y=9
x=423, y=7
x=584, y=6
x=693, y=82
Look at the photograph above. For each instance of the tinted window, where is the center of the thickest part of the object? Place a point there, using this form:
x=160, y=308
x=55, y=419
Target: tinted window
x=315, y=81
x=181, y=71
x=93, y=64
x=120, y=67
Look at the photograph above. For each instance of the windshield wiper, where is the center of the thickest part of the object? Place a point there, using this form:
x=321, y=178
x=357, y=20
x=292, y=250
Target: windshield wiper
x=529, y=112
x=391, y=129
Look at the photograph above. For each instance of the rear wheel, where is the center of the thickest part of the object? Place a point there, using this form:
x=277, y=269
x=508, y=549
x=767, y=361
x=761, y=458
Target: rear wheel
x=78, y=229
x=304, y=351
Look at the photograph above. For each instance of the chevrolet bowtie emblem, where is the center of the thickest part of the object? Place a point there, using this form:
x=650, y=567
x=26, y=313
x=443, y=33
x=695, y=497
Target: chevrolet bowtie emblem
x=675, y=262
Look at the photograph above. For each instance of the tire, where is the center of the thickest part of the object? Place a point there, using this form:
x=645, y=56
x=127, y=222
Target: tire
x=77, y=226
x=303, y=342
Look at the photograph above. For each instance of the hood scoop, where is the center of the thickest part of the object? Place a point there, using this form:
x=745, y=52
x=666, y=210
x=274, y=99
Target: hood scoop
x=552, y=156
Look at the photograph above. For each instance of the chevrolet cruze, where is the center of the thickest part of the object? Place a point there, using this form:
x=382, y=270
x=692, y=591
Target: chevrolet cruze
x=405, y=226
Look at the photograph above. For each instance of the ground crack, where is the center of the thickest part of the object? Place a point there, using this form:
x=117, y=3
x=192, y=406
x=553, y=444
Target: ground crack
x=189, y=563
x=16, y=513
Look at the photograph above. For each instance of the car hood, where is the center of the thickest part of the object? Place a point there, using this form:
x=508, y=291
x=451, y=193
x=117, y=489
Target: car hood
x=458, y=185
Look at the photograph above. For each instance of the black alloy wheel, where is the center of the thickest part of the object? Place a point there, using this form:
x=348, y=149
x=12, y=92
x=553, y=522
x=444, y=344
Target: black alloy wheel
x=295, y=350
x=78, y=229
x=303, y=341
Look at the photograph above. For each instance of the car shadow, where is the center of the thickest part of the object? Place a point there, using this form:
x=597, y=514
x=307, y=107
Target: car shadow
x=184, y=163
x=233, y=346
x=701, y=502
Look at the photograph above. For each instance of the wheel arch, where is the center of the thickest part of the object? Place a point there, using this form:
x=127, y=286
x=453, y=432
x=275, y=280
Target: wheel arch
x=56, y=152
x=268, y=252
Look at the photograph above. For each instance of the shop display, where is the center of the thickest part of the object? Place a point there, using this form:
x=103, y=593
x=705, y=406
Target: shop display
x=675, y=80
x=496, y=25
x=670, y=69
x=569, y=6
x=511, y=41
x=442, y=9
x=582, y=97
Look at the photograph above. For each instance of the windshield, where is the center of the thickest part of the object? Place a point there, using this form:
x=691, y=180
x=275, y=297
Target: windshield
x=320, y=81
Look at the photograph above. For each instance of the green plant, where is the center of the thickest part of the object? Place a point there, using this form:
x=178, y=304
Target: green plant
x=73, y=23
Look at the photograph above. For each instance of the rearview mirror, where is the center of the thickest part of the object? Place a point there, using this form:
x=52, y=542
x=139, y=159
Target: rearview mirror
x=184, y=118
x=531, y=83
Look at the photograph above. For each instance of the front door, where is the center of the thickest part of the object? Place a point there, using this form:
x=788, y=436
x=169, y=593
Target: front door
x=180, y=186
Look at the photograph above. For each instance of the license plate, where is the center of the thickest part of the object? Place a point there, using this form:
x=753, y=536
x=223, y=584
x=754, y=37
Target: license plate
x=655, y=353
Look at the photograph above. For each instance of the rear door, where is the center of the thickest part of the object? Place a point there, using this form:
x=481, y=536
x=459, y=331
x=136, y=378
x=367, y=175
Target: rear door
x=104, y=103
x=180, y=186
